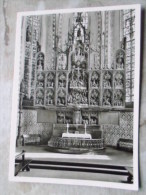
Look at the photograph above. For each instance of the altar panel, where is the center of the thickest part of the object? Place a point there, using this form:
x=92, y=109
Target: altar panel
x=46, y=116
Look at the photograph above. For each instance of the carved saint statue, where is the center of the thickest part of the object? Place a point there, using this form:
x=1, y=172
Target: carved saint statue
x=118, y=98
x=107, y=79
x=107, y=101
x=119, y=81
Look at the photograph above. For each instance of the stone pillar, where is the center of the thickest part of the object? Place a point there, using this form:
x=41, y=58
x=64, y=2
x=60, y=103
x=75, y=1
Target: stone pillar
x=116, y=29
x=102, y=39
x=121, y=26
x=110, y=40
x=43, y=33
x=49, y=43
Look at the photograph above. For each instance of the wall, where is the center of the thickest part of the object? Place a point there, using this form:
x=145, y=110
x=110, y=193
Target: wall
x=31, y=126
x=8, y=12
x=124, y=130
x=112, y=132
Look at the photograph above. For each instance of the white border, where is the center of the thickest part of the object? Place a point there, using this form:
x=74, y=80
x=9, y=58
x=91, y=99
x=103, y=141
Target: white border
x=15, y=98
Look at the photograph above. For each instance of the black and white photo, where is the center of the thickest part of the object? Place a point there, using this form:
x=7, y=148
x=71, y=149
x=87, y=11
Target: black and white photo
x=76, y=97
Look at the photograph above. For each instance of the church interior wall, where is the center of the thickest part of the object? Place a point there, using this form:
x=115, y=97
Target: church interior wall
x=31, y=124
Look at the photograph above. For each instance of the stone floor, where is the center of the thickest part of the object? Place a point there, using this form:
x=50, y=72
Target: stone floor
x=107, y=156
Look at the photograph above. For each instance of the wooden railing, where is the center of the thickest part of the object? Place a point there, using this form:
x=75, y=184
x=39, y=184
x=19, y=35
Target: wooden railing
x=83, y=167
x=21, y=164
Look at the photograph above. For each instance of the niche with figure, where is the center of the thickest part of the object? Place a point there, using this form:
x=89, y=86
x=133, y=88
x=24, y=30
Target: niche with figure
x=118, y=98
x=107, y=98
x=94, y=98
x=39, y=100
x=119, y=80
x=95, y=79
x=62, y=80
x=68, y=117
x=62, y=61
x=50, y=80
x=61, y=98
x=120, y=59
x=93, y=118
x=107, y=80
x=40, y=61
x=79, y=57
x=85, y=118
x=49, y=96
x=60, y=117
x=40, y=79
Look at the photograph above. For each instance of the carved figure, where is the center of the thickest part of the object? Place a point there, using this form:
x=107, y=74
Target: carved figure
x=118, y=98
x=94, y=99
x=40, y=97
x=40, y=80
x=50, y=80
x=50, y=97
x=61, y=98
x=107, y=98
x=107, y=80
x=119, y=81
x=62, y=80
x=95, y=80
x=120, y=55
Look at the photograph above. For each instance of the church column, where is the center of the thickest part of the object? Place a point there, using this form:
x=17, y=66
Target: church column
x=110, y=40
x=43, y=33
x=116, y=29
x=121, y=26
x=102, y=39
x=49, y=42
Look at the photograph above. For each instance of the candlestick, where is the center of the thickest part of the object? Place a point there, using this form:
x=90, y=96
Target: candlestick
x=67, y=127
